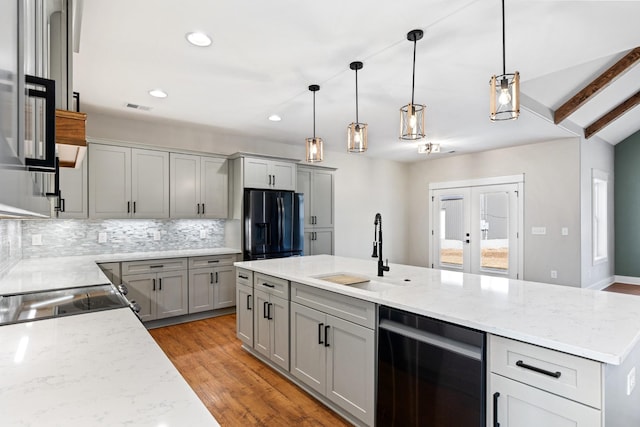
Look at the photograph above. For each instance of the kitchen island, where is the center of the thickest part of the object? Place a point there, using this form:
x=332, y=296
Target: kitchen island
x=599, y=327
x=95, y=369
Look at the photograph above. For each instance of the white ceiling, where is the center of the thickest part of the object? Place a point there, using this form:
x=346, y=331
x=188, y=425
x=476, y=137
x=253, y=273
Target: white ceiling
x=265, y=54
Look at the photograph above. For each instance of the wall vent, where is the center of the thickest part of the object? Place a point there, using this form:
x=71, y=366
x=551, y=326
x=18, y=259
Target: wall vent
x=138, y=107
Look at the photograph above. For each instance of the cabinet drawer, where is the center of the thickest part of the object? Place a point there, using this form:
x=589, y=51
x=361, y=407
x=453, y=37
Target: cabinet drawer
x=154, y=266
x=271, y=285
x=573, y=377
x=345, y=307
x=244, y=277
x=211, y=261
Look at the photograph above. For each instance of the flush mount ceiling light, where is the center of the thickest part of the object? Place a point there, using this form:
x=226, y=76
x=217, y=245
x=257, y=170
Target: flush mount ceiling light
x=428, y=148
x=158, y=93
x=315, y=151
x=275, y=118
x=199, y=39
x=505, y=90
x=356, y=132
x=412, y=115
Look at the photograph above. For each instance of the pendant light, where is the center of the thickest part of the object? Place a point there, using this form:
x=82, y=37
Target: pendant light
x=505, y=90
x=315, y=151
x=356, y=132
x=412, y=115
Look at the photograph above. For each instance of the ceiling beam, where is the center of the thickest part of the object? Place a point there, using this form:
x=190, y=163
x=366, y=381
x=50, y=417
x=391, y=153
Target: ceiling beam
x=612, y=115
x=601, y=82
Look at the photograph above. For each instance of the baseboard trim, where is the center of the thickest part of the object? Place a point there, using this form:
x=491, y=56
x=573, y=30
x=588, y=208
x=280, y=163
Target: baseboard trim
x=601, y=284
x=627, y=279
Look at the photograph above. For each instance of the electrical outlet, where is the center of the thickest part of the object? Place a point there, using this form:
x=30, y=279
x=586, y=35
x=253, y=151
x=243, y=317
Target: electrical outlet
x=156, y=235
x=102, y=237
x=631, y=381
x=565, y=231
x=203, y=233
x=554, y=274
x=539, y=231
x=36, y=240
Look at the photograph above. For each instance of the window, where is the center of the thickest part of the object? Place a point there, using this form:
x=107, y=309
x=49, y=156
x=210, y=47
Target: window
x=599, y=202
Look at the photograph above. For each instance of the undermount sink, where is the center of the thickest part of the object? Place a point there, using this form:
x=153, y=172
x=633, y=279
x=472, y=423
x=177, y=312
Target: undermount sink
x=355, y=281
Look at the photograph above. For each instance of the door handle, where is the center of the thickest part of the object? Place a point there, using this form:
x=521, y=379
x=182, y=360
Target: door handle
x=211, y=279
x=160, y=283
x=242, y=276
x=521, y=364
x=326, y=336
x=198, y=208
x=274, y=180
x=269, y=179
x=249, y=302
x=320, y=333
x=203, y=209
x=495, y=409
x=134, y=207
x=268, y=285
x=128, y=207
x=269, y=311
x=216, y=277
x=154, y=284
x=265, y=307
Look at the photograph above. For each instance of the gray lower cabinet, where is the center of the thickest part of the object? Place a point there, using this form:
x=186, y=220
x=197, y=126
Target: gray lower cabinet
x=160, y=287
x=271, y=327
x=244, y=313
x=112, y=271
x=211, y=283
x=318, y=242
x=334, y=356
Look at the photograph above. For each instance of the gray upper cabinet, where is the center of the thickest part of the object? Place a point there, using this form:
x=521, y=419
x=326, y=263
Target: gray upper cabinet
x=317, y=185
x=73, y=188
x=269, y=174
x=198, y=186
x=128, y=182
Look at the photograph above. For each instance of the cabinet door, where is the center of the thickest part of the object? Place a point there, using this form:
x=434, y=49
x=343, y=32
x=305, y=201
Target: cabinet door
x=224, y=288
x=279, y=311
x=261, y=337
x=308, y=354
x=171, y=294
x=244, y=313
x=351, y=368
x=322, y=198
x=283, y=175
x=201, y=290
x=73, y=187
x=520, y=405
x=184, y=186
x=304, y=186
x=109, y=181
x=150, y=183
x=308, y=243
x=257, y=173
x=323, y=242
x=142, y=290
x=214, y=187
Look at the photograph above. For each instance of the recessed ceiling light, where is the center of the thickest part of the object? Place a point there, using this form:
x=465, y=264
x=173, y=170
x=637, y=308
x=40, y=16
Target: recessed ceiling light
x=275, y=118
x=199, y=39
x=158, y=93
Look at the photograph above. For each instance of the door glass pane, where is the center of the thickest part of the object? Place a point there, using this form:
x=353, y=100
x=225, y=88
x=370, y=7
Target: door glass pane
x=494, y=231
x=451, y=231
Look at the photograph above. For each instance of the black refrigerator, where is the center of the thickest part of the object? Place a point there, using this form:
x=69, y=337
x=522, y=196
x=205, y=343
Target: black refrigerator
x=273, y=224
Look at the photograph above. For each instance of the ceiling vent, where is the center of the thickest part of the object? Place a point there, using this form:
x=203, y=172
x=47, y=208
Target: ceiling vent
x=138, y=107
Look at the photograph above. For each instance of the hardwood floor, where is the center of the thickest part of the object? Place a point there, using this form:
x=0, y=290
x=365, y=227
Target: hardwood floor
x=623, y=288
x=237, y=389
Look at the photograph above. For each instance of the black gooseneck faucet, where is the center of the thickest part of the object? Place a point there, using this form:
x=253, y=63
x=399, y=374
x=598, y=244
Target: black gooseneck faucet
x=377, y=245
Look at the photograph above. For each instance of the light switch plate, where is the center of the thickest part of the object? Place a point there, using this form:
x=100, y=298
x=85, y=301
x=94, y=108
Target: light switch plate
x=102, y=237
x=156, y=235
x=36, y=240
x=554, y=274
x=539, y=230
x=565, y=231
x=203, y=233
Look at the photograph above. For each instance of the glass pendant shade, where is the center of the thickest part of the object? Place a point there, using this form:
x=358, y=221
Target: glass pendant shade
x=505, y=97
x=412, y=122
x=357, y=138
x=315, y=151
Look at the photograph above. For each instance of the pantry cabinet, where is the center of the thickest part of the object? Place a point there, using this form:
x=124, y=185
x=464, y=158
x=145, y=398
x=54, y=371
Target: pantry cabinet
x=128, y=182
x=198, y=186
x=317, y=185
x=318, y=242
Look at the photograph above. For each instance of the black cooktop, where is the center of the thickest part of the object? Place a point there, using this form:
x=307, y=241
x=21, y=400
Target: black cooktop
x=30, y=306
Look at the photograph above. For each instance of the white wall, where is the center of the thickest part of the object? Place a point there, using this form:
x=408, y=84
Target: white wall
x=552, y=200
x=596, y=155
x=363, y=186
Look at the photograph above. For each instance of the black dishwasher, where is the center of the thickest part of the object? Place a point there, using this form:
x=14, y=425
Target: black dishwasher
x=430, y=373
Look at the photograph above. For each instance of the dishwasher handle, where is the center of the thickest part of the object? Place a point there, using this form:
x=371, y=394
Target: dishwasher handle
x=444, y=343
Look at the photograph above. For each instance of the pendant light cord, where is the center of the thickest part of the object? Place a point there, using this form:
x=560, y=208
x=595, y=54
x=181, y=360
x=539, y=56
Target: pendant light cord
x=357, y=121
x=504, y=67
x=314, y=115
x=413, y=76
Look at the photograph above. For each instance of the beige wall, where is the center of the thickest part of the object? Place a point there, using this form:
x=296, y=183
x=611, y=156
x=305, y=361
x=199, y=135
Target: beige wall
x=552, y=200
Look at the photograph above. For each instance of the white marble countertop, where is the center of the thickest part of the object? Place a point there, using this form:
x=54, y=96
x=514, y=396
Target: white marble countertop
x=95, y=369
x=36, y=274
x=602, y=326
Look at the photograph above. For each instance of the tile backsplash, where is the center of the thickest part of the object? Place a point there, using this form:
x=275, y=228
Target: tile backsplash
x=81, y=237
x=10, y=243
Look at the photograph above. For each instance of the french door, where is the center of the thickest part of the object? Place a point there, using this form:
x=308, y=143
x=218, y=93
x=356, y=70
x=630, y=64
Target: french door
x=476, y=229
